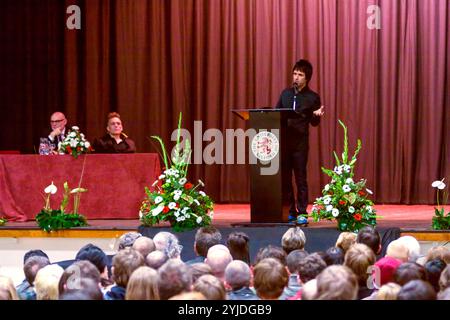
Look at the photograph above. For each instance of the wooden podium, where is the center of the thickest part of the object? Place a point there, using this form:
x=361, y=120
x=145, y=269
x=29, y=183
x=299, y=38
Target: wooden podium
x=269, y=201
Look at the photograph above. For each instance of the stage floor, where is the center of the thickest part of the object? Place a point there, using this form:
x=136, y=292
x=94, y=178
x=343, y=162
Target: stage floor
x=225, y=215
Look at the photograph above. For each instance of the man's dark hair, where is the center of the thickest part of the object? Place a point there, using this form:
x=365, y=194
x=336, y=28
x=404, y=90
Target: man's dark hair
x=93, y=254
x=32, y=265
x=293, y=259
x=304, y=66
x=33, y=253
x=310, y=267
x=433, y=270
x=271, y=252
x=417, y=290
x=238, y=243
x=334, y=255
x=370, y=237
x=205, y=238
x=409, y=271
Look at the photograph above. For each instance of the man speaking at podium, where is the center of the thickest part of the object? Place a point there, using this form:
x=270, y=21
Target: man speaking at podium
x=306, y=103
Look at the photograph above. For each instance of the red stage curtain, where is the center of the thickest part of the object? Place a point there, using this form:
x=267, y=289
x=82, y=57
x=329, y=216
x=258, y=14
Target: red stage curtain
x=149, y=60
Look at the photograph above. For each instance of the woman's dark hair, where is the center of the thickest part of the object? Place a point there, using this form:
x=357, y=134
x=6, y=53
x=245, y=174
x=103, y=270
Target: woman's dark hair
x=238, y=243
x=434, y=269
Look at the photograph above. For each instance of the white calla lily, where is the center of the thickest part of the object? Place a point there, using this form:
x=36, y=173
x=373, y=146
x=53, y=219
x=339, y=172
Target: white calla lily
x=157, y=210
x=438, y=184
x=51, y=189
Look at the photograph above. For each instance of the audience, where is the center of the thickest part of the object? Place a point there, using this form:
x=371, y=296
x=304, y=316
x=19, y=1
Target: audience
x=238, y=281
x=143, y=285
x=388, y=291
x=7, y=289
x=199, y=269
x=32, y=265
x=174, y=277
x=370, y=237
x=417, y=290
x=271, y=252
x=293, y=261
x=409, y=271
x=205, y=238
x=359, y=258
x=156, y=259
x=218, y=259
x=334, y=255
x=337, y=283
x=270, y=277
x=47, y=281
x=211, y=287
x=345, y=241
x=144, y=246
x=238, y=243
x=293, y=239
x=168, y=243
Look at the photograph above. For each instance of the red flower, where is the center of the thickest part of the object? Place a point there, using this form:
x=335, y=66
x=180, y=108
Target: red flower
x=188, y=186
x=357, y=217
x=69, y=149
x=166, y=209
x=78, y=149
x=361, y=193
x=342, y=202
x=177, y=205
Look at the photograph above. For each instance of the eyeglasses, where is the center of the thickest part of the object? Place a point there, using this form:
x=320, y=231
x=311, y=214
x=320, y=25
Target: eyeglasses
x=57, y=121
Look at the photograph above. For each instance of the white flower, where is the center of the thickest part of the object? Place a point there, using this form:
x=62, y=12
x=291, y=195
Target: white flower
x=76, y=190
x=327, y=200
x=329, y=207
x=202, y=193
x=196, y=202
x=369, y=209
x=51, y=189
x=200, y=182
x=185, y=209
x=161, y=177
x=327, y=187
x=349, y=180
x=72, y=135
x=157, y=210
x=187, y=215
x=335, y=212
x=158, y=199
x=75, y=128
x=176, y=197
x=211, y=214
x=346, y=188
x=177, y=213
x=73, y=143
x=369, y=191
x=438, y=184
x=338, y=170
x=199, y=220
x=172, y=205
x=82, y=135
x=182, y=181
x=347, y=168
x=351, y=209
x=182, y=218
x=141, y=214
x=87, y=144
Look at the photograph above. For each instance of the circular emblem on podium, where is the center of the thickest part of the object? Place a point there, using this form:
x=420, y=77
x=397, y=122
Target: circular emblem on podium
x=265, y=146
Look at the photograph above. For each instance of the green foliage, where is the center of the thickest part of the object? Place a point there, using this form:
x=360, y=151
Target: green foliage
x=3, y=221
x=52, y=220
x=345, y=200
x=440, y=221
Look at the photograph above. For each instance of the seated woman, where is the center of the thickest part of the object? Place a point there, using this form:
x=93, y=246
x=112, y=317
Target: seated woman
x=114, y=141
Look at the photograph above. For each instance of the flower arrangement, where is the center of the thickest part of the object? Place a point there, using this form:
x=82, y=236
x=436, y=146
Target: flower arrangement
x=175, y=199
x=3, y=221
x=344, y=199
x=75, y=143
x=440, y=221
x=50, y=219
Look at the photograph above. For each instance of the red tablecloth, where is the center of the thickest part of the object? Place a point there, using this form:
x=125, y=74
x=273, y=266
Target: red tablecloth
x=115, y=183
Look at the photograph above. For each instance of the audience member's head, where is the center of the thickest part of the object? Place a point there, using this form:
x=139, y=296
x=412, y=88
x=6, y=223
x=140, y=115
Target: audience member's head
x=413, y=247
x=7, y=288
x=293, y=239
x=444, y=280
x=293, y=260
x=218, y=259
x=174, y=277
x=46, y=282
x=87, y=289
x=369, y=236
x=126, y=240
x=417, y=290
x=398, y=250
x=386, y=268
x=205, y=238
x=239, y=245
x=238, y=275
x=34, y=253
x=440, y=252
x=333, y=255
x=32, y=265
x=309, y=290
x=156, y=259
x=433, y=269
x=270, y=277
x=168, y=243
x=409, y=271
x=444, y=295
x=271, y=251
x=143, y=285
x=71, y=277
x=199, y=269
x=124, y=263
x=144, y=245
x=345, y=240
x=388, y=291
x=358, y=258
x=95, y=255
x=211, y=287
x=191, y=295
x=310, y=267
x=337, y=283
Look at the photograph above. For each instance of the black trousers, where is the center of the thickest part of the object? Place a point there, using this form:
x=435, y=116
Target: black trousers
x=296, y=163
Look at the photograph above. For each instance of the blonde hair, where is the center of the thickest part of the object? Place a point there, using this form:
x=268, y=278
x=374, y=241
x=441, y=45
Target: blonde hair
x=397, y=249
x=143, y=285
x=7, y=285
x=47, y=281
x=337, y=283
x=389, y=291
x=358, y=258
x=293, y=238
x=440, y=252
x=346, y=240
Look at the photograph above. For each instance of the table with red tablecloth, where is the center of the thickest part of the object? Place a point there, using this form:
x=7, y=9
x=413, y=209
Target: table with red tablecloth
x=115, y=183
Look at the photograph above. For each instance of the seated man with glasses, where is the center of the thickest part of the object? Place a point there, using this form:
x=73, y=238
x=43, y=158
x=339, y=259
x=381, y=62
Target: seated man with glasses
x=58, y=123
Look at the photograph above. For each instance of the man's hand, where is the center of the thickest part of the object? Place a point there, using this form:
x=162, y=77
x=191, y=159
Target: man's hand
x=319, y=112
x=55, y=133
